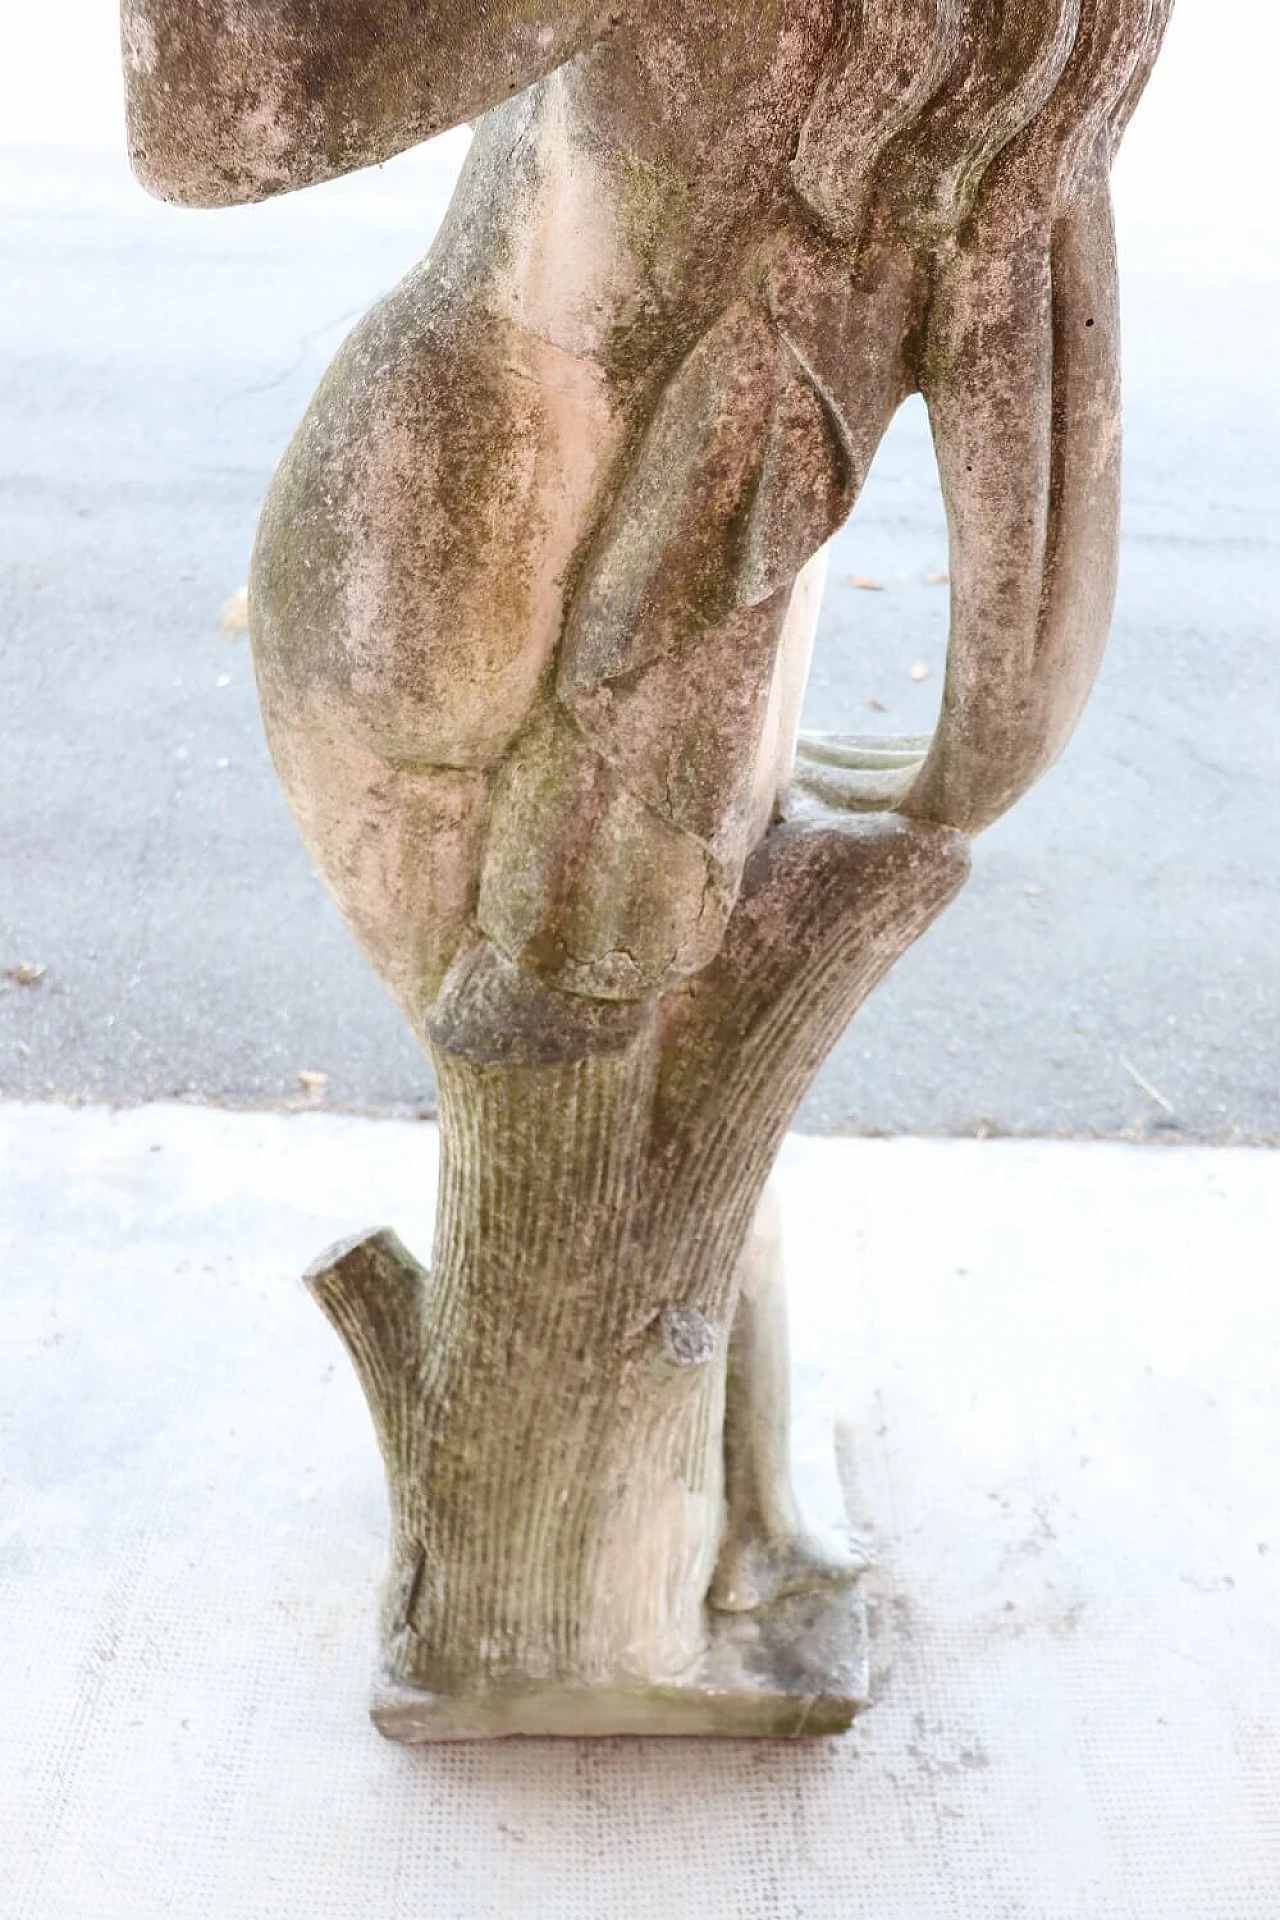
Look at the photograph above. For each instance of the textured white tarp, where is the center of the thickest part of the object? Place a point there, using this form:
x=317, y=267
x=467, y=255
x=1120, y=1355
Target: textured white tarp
x=1061, y=1365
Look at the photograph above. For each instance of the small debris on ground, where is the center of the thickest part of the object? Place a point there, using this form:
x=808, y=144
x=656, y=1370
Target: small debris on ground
x=234, y=614
x=1153, y=1093
x=313, y=1082
x=876, y=706
x=919, y=671
x=866, y=581
x=25, y=974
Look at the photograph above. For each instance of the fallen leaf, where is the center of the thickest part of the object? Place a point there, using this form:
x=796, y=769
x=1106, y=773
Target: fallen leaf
x=234, y=613
x=312, y=1081
x=25, y=974
x=919, y=671
x=864, y=580
x=938, y=580
x=877, y=706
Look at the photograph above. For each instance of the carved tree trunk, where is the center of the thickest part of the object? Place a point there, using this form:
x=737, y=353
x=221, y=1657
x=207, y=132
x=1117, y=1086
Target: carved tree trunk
x=549, y=1400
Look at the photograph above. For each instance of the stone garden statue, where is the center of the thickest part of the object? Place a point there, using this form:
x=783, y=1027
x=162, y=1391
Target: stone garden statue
x=531, y=603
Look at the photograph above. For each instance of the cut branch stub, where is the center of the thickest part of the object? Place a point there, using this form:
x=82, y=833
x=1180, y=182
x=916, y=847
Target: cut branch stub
x=372, y=1289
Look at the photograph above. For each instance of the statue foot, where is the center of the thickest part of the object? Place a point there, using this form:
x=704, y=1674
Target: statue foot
x=756, y=1569
x=855, y=774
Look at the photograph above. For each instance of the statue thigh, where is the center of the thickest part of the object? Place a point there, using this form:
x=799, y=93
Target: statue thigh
x=409, y=591
x=406, y=597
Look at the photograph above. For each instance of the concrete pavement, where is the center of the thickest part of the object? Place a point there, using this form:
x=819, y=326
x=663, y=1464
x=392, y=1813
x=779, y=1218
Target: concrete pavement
x=1057, y=1366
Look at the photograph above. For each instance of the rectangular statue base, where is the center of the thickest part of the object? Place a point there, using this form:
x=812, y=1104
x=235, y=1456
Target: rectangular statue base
x=799, y=1667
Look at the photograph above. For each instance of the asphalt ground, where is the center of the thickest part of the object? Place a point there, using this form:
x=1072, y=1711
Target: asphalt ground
x=1111, y=967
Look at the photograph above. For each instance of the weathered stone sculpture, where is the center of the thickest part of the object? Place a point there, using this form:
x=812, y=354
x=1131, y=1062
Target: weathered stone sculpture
x=531, y=604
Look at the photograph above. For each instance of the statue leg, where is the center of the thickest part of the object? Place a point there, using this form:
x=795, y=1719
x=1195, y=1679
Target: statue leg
x=770, y=1547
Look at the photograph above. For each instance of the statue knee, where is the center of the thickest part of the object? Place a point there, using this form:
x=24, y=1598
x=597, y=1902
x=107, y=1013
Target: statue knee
x=586, y=885
x=492, y=1011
